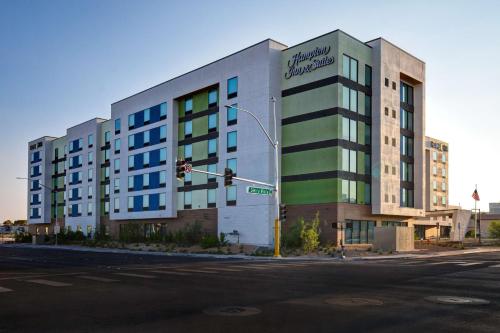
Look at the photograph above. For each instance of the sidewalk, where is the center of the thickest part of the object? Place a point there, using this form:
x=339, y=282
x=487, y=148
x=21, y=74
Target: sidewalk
x=249, y=257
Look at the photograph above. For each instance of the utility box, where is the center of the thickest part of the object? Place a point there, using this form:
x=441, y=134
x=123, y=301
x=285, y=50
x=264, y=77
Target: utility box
x=394, y=239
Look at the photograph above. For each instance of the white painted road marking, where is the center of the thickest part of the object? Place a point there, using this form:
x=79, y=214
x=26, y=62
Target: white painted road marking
x=4, y=290
x=471, y=264
x=96, y=278
x=447, y=262
x=137, y=275
x=170, y=272
x=50, y=283
x=195, y=270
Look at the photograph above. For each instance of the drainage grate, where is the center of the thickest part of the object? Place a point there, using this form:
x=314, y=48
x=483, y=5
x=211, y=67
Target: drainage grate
x=456, y=300
x=354, y=301
x=234, y=311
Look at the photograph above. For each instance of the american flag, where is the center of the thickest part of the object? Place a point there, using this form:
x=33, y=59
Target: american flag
x=475, y=195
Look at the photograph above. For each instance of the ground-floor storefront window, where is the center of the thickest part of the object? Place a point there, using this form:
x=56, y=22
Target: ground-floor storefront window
x=359, y=232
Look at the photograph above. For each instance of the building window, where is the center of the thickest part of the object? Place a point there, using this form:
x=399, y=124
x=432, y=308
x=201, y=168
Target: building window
x=131, y=141
x=145, y=202
x=443, y=201
x=232, y=164
x=232, y=141
x=147, y=116
x=212, y=98
x=232, y=87
x=368, y=194
x=117, y=165
x=188, y=129
x=130, y=204
x=146, y=139
x=368, y=164
x=443, y=158
x=393, y=142
x=386, y=140
x=90, y=172
x=406, y=146
x=394, y=114
x=443, y=186
x=118, y=126
x=188, y=178
x=212, y=168
x=349, y=99
x=350, y=68
x=211, y=198
x=162, y=202
x=118, y=144
x=188, y=200
x=116, y=185
x=163, y=178
x=348, y=191
x=349, y=129
x=368, y=106
x=89, y=209
x=145, y=159
x=434, y=185
x=406, y=93
x=131, y=121
x=116, y=205
x=349, y=160
x=131, y=162
x=188, y=105
x=368, y=134
x=386, y=82
x=359, y=232
x=212, y=122
x=434, y=170
x=163, y=133
x=145, y=181
x=443, y=172
x=188, y=151
x=435, y=199
x=393, y=85
x=232, y=115
x=90, y=192
x=90, y=140
x=406, y=172
x=107, y=137
x=163, y=155
x=163, y=111
x=130, y=183
x=212, y=147
x=406, y=197
x=368, y=76
x=231, y=195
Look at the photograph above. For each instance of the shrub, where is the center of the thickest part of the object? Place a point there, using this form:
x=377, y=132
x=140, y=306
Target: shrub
x=292, y=238
x=310, y=235
x=193, y=233
x=208, y=241
x=494, y=229
x=23, y=238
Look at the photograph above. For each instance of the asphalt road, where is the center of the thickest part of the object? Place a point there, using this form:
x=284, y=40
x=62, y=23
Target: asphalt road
x=59, y=291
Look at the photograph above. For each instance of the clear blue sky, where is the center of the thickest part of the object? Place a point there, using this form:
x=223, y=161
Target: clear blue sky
x=64, y=62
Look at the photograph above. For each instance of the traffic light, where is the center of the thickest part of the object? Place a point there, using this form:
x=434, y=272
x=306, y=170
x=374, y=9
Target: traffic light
x=228, y=177
x=180, y=169
x=282, y=213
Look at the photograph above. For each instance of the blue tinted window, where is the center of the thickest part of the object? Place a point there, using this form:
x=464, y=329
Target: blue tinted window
x=163, y=109
x=232, y=164
x=212, y=97
x=212, y=121
x=188, y=151
x=188, y=105
x=232, y=114
x=118, y=125
x=232, y=87
x=232, y=139
x=212, y=146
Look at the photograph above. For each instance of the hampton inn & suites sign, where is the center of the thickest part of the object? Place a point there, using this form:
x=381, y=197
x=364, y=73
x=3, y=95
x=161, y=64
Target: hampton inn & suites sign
x=306, y=62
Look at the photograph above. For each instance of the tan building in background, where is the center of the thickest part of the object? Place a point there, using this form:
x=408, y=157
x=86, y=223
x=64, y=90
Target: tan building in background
x=436, y=158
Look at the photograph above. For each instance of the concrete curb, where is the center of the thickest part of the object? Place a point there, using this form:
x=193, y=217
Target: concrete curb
x=247, y=257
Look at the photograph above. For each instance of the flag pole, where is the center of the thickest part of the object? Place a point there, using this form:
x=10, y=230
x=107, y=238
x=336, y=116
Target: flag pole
x=475, y=216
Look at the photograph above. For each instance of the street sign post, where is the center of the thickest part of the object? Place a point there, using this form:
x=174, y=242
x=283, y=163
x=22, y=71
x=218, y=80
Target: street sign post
x=259, y=190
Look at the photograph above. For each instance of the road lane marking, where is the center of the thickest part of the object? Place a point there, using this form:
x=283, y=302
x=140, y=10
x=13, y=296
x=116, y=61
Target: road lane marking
x=189, y=270
x=446, y=262
x=96, y=278
x=223, y=269
x=171, y=272
x=137, y=275
x=50, y=283
x=470, y=264
x=4, y=290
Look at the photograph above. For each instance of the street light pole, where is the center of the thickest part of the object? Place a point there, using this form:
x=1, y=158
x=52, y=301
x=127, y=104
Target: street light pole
x=275, y=144
x=55, y=202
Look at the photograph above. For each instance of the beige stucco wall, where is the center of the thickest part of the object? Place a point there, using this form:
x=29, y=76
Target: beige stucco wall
x=395, y=64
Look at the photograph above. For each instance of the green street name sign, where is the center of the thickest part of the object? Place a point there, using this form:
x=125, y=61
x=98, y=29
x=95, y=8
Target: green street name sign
x=259, y=190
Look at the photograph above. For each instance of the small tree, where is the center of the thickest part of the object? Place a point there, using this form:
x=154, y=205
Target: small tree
x=494, y=229
x=20, y=222
x=310, y=235
x=7, y=222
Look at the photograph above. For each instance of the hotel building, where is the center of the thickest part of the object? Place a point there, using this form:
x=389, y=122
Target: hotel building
x=351, y=124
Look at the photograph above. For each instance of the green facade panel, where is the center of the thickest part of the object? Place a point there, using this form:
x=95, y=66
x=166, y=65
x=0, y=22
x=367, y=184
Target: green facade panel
x=311, y=191
x=315, y=130
x=311, y=161
x=311, y=100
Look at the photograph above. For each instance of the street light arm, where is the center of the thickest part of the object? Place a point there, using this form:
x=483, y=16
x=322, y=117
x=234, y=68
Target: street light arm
x=39, y=183
x=258, y=121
